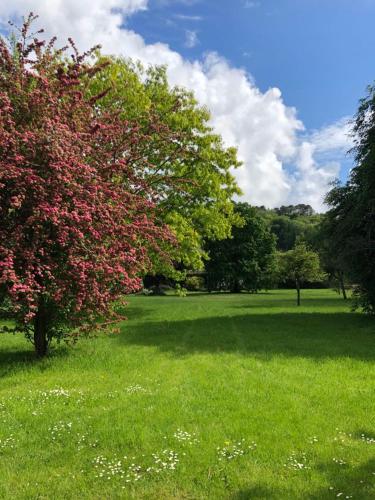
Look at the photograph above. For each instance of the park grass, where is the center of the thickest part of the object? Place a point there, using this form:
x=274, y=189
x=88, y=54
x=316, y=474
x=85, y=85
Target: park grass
x=285, y=393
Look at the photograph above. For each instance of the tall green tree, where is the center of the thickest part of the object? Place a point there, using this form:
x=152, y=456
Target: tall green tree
x=331, y=260
x=300, y=265
x=351, y=219
x=193, y=175
x=247, y=259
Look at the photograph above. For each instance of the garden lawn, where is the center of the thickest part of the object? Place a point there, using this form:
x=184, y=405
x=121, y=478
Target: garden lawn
x=207, y=396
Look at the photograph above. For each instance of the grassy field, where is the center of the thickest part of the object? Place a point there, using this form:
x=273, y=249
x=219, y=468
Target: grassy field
x=207, y=396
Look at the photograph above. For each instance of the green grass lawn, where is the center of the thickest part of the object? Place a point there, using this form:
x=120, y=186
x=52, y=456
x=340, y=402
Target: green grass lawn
x=207, y=396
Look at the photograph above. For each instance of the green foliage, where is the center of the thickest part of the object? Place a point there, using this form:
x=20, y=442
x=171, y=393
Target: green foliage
x=247, y=259
x=286, y=231
x=180, y=291
x=194, y=283
x=351, y=220
x=193, y=176
x=331, y=260
x=300, y=265
x=293, y=222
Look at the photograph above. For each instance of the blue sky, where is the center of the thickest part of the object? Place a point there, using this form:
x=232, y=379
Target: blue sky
x=320, y=53
x=281, y=77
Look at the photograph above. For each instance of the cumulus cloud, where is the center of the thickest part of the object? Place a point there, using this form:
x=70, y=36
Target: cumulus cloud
x=318, y=162
x=311, y=179
x=278, y=166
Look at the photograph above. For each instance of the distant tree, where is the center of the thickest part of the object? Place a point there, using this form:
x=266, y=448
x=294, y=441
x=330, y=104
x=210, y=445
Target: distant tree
x=286, y=231
x=293, y=222
x=300, y=265
x=75, y=232
x=351, y=219
x=247, y=259
x=295, y=210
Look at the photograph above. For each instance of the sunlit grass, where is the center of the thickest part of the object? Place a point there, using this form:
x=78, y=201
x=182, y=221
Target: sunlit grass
x=208, y=396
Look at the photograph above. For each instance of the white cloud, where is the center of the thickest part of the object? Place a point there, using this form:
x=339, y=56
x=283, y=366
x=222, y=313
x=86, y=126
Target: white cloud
x=278, y=166
x=191, y=39
x=318, y=162
x=312, y=179
x=84, y=9
x=333, y=137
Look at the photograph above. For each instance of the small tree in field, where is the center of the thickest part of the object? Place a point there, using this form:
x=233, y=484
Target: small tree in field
x=300, y=265
x=74, y=235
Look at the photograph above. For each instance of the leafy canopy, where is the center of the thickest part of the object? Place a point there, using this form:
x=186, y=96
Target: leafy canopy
x=351, y=219
x=193, y=179
x=247, y=259
x=300, y=265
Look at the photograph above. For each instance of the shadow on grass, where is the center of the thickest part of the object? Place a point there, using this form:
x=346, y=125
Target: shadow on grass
x=16, y=360
x=258, y=492
x=350, y=481
x=365, y=435
x=230, y=294
x=344, y=482
x=135, y=312
x=312, y=335
x=290, y=302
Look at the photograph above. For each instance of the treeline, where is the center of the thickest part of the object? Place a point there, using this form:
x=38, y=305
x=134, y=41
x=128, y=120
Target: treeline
x=292, y=245
x=270, y=248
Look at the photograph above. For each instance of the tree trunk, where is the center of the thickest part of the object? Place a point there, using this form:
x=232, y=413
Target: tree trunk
x=157, y=289
x=342, y=285
x=235, y=288
x=298, y=288
x=40, y=331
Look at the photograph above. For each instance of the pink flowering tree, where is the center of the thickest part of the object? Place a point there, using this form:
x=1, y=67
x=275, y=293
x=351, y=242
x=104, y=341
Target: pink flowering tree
x=77, y=219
